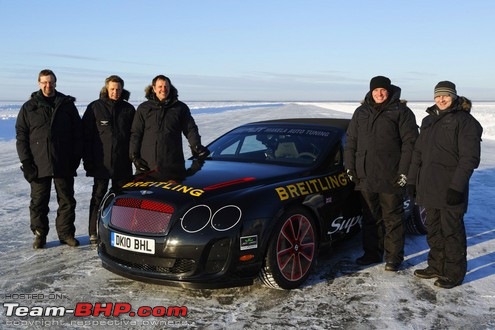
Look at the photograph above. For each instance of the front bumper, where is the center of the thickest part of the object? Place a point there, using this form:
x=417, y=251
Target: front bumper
x=206, y=263
x=199, y=282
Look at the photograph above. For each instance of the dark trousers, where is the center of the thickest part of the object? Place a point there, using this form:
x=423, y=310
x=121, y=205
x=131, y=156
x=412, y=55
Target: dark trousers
x=446, y=237
x=100, y=188
x=38, y=207
x=383, y=227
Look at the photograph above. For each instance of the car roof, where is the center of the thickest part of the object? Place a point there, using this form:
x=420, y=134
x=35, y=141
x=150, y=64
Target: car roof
x=341, y=123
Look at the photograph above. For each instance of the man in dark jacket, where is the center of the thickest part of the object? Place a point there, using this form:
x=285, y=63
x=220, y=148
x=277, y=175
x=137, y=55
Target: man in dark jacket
x=445, y=155
x=379, y=144
x=49, y=145
x=107, y=130
x=156, y=135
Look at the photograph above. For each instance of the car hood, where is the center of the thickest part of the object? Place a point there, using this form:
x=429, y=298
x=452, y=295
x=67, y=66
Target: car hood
x=214, y=172
x=219, y=176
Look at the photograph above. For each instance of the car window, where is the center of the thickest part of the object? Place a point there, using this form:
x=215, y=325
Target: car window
x=273, y=145
x=250, y=144
x=243, y=145
x=229, y=150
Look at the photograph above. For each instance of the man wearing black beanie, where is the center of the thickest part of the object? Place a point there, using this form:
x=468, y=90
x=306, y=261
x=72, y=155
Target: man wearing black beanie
x=379, y=143
x=380, y=82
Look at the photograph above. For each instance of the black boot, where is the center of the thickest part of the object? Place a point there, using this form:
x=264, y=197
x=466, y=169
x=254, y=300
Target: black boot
x=39, y=240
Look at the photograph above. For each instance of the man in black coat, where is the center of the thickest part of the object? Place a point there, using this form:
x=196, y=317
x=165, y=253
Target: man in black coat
x=157, y=129
x=379, y=143
x=445, y=155
x=49, y=145
x=107, y=130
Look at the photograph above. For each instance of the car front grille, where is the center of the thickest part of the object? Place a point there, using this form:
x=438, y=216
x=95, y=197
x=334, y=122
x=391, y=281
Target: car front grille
x=141, y=216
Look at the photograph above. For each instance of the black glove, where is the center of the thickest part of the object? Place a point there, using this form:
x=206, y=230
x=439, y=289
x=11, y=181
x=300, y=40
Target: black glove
x=400, y=180
x=141, y=164
x=29, y=170
x=454, y=197
x=411, y=190
x=200, y=152
x=352, y=176
x=195, y=166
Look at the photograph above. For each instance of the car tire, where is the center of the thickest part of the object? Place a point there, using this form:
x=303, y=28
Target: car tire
x=414, y=217
x=291, y=252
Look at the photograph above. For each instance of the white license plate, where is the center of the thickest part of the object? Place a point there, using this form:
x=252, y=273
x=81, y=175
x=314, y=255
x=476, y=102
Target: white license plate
x=136, y=244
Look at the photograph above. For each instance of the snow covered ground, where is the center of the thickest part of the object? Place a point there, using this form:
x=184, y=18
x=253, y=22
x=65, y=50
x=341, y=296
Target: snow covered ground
x=339, y=294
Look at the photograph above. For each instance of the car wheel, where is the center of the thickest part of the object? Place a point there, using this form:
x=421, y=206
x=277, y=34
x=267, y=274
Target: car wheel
x=291, y=252
x=414, y=217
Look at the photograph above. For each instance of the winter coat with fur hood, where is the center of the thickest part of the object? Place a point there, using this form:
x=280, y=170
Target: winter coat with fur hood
x=107, y=132
x=379, y=142
x=445, y=155
x=156, y=134
x=50, y=135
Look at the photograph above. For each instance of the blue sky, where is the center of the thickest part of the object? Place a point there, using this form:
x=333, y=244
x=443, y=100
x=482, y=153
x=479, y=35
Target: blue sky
x=309, y=50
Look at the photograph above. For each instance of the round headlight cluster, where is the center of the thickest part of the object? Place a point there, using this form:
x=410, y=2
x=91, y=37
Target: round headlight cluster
x=198, y=217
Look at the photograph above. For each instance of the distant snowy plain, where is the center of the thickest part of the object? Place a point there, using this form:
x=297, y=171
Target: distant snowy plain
x=338, y=295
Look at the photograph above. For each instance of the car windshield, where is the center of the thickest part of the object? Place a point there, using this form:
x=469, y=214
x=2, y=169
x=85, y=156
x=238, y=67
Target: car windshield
x=273, y=144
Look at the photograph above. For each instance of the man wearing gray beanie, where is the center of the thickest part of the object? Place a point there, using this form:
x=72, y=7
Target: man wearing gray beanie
x=446, y=153
x=379, y=143
x=445, y=88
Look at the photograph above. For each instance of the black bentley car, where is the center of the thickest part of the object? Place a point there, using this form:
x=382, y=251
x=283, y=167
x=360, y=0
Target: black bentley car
x=267, y=199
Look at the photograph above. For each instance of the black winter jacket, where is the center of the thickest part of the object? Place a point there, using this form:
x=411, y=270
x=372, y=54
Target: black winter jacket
x=156, y=134
x=379, y=142
x=445, y=155
x=107, y=132
x=50, y=136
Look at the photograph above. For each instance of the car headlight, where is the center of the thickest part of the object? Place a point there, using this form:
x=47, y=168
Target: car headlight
x=226, y=218
x=198, y=217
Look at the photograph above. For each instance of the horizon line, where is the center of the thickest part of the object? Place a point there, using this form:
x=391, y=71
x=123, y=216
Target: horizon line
x=267, y=101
